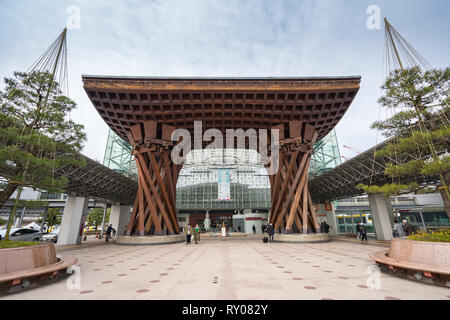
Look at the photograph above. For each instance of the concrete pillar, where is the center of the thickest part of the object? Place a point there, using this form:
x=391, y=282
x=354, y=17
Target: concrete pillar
x=103, y=220
x=382, y=216
x=329, y=216
x=207, y=222
x=119, y=218
x=19, y=219
x=73, y=219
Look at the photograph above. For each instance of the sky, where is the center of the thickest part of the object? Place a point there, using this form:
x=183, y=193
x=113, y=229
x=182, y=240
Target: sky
x=223, y=38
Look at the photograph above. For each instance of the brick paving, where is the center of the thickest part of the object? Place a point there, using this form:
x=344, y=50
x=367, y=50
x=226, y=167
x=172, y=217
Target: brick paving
x=229, y=270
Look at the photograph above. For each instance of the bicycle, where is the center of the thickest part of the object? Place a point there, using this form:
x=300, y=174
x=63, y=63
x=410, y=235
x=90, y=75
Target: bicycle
x=112, y=236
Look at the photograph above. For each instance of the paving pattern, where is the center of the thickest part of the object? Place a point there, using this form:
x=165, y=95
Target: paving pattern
x=232, y=269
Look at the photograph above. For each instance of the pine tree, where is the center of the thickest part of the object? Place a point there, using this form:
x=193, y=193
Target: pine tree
x=419, y=132
x=95, y=216
x=52, y=218
x=35, y=137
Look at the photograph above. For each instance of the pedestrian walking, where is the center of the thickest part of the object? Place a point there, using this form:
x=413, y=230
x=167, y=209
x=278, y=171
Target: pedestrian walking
x=254, y=229
x=270, y=231
x=408, y=228
x=196, y=232
x=363, y=232
x=326, y=227
x=188, y=233
x=108, y=232
x=321, y=227
x=398, y=230
x=358, y=230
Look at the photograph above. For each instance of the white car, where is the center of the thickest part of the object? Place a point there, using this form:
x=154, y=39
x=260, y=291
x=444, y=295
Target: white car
x=21, y=234
x=52, y=236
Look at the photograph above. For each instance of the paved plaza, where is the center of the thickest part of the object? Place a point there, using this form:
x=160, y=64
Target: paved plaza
x=231, y=269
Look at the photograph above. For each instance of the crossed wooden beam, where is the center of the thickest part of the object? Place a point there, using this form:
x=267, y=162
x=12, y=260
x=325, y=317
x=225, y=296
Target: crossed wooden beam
x=154, y=210
x=292, y=207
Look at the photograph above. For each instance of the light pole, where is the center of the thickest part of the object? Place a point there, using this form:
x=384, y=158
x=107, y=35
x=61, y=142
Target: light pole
x=421, y=217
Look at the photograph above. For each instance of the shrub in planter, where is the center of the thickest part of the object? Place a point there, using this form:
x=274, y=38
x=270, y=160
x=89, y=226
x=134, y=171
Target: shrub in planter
x=442, y=235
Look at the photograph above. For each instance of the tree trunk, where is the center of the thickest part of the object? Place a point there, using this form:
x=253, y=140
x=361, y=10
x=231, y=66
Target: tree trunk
x=13, y=214
x=7, y=193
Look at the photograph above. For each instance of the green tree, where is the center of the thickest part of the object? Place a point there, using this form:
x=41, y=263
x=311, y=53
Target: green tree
x=52, y=218
x=95, y=216
x=36, y=138
x=421, y=128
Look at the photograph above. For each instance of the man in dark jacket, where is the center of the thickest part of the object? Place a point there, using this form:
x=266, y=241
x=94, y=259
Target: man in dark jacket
x=270, y=231
x=363, y=231
x=108, y=232
x=326, y=227
x=408, y=228
x=358, y=231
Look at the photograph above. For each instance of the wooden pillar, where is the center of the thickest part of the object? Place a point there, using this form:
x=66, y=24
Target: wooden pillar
x=154, y=211
x=292, y=209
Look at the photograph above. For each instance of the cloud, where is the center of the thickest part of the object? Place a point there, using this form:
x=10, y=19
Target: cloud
x=222, y=38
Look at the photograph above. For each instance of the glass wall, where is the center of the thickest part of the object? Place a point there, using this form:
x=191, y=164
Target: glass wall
x=347, y=222
x=426, y=217
x=118, y=156
x=326, y=155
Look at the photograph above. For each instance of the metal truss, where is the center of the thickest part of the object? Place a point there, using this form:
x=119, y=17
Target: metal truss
x=94, y=180
x=341, y=182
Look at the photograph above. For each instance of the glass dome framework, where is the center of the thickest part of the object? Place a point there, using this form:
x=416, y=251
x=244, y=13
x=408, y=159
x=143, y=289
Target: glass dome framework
x=197, y=186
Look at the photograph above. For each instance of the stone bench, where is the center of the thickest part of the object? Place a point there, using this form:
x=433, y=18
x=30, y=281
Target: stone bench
x=25, y=267
x=417, y=258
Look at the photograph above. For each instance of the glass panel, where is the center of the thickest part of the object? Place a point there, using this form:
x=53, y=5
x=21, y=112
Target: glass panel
x=326, y=155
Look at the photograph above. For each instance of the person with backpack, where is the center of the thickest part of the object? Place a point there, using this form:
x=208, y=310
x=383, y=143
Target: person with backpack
x=398, y=229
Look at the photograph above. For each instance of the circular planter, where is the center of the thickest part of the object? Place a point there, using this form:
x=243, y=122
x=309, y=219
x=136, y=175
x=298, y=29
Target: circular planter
x=417, y=260
x=301, y=238
x=149, y=240
x=24, y=258
x=26, y=267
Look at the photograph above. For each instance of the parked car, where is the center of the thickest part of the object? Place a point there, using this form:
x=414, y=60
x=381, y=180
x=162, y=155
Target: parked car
x=52, y=236
x=21, y=234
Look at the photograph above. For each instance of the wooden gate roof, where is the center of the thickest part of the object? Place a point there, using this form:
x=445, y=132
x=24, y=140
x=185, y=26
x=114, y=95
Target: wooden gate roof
x=222, y=103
